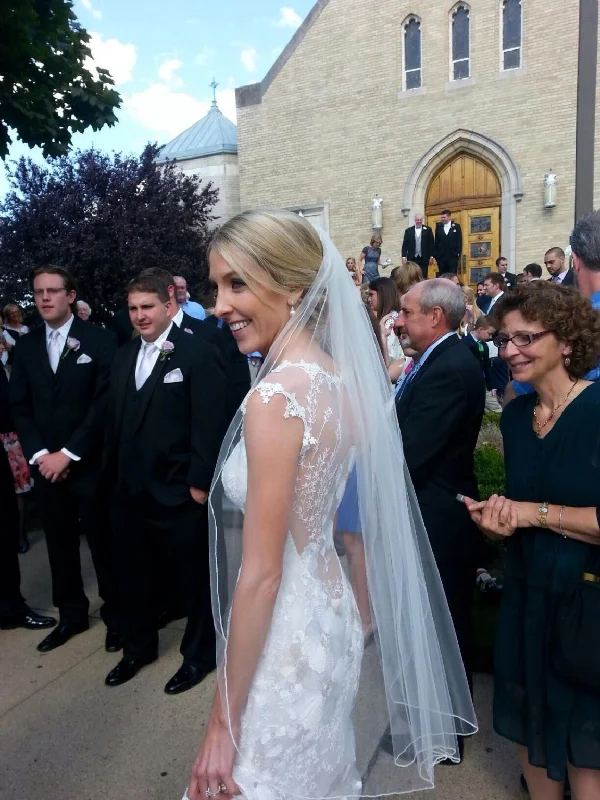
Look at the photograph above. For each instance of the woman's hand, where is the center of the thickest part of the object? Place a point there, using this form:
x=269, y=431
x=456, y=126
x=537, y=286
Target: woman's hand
x=495, y=517
x=213, y=766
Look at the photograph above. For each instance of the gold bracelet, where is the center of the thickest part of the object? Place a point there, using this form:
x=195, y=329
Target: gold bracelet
x=560, y=525
x=543, y=515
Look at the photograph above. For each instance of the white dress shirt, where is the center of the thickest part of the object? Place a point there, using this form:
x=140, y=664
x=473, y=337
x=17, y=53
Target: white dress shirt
x=152, y=356
x=560, y=278
x=447, y=226
x=62, y=334
x=178, y=318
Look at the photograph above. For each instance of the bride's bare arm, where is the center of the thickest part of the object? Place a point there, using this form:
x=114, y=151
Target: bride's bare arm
x=272, y=445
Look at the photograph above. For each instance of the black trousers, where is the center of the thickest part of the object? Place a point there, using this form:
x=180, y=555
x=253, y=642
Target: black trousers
x=144, y=532
x=447, y=264
x=69, y=508
x=11, y=601
x=424, y=264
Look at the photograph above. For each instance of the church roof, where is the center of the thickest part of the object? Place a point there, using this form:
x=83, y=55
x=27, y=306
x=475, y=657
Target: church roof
x=252, y=94
x=212, y=135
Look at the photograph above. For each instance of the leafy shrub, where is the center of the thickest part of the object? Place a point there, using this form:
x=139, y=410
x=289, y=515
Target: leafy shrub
x=491, y=418
x=490, y=435
x=489, y=471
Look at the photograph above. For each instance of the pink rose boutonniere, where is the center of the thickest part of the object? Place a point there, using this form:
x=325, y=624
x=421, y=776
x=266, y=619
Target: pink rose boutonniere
x=71, y=345
x=166, y=349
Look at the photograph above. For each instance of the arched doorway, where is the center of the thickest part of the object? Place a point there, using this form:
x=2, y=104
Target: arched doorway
x=471, y=189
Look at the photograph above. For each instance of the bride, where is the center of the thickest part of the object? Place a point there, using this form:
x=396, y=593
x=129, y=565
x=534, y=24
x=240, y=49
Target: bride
x=305, y=707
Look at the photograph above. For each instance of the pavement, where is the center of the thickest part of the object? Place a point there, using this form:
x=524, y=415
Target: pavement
x=64, y=735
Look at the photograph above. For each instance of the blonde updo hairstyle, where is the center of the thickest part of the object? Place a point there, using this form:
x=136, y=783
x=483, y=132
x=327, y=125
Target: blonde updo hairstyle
x=270, y=249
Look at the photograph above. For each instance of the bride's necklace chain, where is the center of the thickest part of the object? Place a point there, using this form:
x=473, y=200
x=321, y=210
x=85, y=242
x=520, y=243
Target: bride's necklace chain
x=541, y=425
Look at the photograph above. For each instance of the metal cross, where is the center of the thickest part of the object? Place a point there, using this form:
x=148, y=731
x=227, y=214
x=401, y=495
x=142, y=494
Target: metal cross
x=213, y=86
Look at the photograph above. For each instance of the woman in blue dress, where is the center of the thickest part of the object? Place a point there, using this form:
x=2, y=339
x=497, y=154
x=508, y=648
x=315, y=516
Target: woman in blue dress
x=370, y=259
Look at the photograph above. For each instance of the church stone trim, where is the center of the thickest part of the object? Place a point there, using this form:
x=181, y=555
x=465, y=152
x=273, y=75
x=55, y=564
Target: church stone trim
x=252, y=94
x=415, y=189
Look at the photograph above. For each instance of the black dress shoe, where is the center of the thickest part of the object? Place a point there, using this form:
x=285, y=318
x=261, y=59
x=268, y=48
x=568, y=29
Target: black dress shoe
x=61, y=635
x=26, y=618
x=23, y=543
x=113, y=642
x=186, y=677
x=126, y=669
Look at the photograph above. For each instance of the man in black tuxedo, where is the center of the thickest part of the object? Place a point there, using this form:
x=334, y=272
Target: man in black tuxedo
x=418, y=245
x=510, y=279
x=448, y=244
x=57, y=390
x=14, y=611
x=167, y=417
x=212, y=331
x=555, y=264
x=440, y=408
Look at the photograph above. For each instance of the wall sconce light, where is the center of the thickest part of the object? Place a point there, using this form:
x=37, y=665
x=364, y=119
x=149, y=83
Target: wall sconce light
x=549, y=190
x=377, y=213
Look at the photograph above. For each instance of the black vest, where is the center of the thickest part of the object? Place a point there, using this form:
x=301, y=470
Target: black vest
x=130, y=464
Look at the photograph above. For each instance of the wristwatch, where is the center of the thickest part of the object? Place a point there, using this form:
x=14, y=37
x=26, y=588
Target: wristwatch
x=543, y=515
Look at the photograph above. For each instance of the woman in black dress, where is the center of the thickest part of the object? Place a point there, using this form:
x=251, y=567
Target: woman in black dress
x=550, y=337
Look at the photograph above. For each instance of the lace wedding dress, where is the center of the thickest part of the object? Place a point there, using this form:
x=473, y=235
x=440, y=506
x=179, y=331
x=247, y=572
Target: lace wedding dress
x=296, y=729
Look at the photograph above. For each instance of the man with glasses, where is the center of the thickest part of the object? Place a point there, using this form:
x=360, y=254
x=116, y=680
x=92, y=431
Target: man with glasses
x=57, y=393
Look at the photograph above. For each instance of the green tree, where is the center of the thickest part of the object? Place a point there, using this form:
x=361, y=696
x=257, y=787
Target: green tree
x=104, y=217
x=46, y=92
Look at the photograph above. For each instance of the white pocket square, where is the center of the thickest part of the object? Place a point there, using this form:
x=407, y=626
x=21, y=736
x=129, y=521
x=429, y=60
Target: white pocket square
x=83, y=359
x=174, y=376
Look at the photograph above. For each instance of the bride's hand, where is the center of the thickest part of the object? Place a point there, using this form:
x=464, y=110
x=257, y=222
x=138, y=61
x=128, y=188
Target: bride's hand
x=213, y=766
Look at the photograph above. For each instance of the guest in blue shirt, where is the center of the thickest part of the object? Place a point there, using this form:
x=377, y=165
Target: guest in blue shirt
x=189, y=307
x=585, y=249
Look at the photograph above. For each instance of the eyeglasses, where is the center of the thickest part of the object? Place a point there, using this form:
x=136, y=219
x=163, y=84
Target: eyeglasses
x=52, y=291
x=519, y=339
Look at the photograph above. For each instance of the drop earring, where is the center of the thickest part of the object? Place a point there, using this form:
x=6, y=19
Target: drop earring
x=292, y=309
x=567, y=362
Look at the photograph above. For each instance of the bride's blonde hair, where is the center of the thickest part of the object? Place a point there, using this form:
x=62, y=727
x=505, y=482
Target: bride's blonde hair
x=273, y=249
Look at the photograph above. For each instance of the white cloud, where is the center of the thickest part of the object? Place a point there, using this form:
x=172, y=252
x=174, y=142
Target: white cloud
x=248, y=58
x=288, y=18
x=93, y=11
x=115, y=56
x=166, y=113
x=204, y=55
x=167, y=70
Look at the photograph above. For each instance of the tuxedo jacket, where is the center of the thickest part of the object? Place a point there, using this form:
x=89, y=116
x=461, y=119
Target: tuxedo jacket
x=409, y=244
x=483, y=301
x=440, y=415
x=448, y=246
x=482, y=356
x=67, y=408
x=166, y=437
x=510, y=280
x=568, y=280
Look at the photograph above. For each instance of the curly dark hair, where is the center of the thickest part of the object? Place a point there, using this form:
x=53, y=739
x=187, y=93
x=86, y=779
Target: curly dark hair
x=563, y=311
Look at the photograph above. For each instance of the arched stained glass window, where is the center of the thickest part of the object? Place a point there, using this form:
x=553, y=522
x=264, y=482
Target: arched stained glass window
x=511, y=34
x=461, y=43
x=412, y=53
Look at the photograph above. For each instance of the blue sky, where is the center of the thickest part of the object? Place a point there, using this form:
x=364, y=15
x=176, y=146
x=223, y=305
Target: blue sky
x=163, y=56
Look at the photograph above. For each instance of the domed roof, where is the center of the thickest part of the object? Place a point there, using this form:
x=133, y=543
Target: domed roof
x=212, y=135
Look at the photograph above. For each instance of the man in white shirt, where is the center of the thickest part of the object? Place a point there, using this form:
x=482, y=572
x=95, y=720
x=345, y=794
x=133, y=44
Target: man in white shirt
x=448, y=244
x=57, y=392
x=167, y=415
x=189, y=306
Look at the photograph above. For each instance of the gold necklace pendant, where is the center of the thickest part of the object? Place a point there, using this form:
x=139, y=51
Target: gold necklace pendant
x=541, y=425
